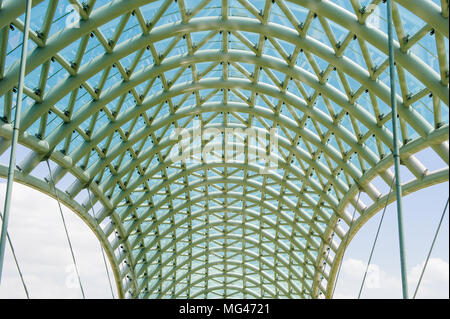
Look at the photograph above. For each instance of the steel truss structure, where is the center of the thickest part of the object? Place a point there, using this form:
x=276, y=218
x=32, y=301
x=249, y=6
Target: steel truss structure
x=108, y=81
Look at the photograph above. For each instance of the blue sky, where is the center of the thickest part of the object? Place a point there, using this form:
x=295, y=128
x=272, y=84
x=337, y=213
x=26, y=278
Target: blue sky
x=422, y=211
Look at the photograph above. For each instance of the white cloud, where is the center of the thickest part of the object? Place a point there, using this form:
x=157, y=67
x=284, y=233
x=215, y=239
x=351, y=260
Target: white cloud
x=382, y=284
x=435, y=282
x=39, y=240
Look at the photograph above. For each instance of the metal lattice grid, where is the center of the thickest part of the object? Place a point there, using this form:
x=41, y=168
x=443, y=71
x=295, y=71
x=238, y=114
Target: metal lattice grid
x=103, y=94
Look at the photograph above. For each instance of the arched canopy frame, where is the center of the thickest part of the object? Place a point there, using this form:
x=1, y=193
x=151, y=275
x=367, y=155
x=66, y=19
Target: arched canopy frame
x=104, y=94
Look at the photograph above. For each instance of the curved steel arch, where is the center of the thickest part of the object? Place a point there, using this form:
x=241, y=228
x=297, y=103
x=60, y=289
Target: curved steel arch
x=306, y=134
x=102, y=99
x=239, y=276
x=242, y=166
x=238, y=289
x=272, y=294
x=231, y=249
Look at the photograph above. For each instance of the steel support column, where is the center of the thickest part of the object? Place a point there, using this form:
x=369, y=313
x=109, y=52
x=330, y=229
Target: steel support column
x=15, y=136
x=398, y=186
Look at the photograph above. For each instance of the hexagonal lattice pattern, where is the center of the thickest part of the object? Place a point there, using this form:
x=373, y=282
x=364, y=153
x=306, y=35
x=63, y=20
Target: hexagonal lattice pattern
x=106, y=86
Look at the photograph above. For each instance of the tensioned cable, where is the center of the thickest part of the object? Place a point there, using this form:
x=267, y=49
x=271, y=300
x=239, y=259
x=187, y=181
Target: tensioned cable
x=345, y=244
x=16, y=261
x=65, y=228
x=101, y=247
x=376, y=239
x=431, y=249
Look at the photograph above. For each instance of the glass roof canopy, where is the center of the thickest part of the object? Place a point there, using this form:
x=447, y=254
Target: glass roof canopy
x=108, y=81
